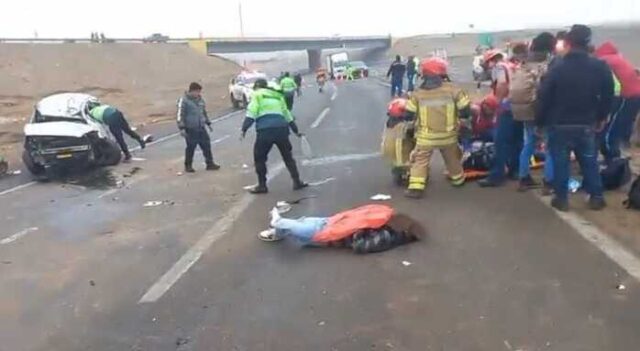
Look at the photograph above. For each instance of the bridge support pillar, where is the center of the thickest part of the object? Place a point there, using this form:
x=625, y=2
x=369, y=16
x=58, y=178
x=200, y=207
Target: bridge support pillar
x=315, y=57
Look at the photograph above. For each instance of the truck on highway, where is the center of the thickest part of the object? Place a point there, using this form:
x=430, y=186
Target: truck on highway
x=337, y=65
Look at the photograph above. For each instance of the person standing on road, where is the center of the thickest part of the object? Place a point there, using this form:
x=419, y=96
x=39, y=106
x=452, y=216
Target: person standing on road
x=412, y=70
x=192, y=121
x=289, y=87
x=396, y=72
x=438, y=105
x=508, y=140
x=298, y=80
x=573, y=103
x=273, y=120
x=117, y=123
x=626, y=106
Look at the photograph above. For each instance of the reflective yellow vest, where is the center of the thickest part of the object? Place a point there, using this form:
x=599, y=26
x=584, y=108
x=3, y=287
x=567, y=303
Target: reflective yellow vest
x=437, y=113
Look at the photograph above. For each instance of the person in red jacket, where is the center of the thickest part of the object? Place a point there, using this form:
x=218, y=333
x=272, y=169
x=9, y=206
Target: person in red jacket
x=482, y=122
x=626, y=107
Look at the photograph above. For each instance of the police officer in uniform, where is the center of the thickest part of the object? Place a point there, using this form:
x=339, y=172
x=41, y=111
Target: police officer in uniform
x=273, y=121
x=114, y=119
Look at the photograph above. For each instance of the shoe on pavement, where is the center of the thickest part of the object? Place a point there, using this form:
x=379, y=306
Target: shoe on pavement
x=299, y=185
x=527, y=183
x=414, y=194
x=259, y=189
x=488, y=183
x=269, y=235
x=142, y=143
x=596, y=203
x=547, y=188
x=560, y=205
x=127, y=158
x=189, y=169
x=213, y=167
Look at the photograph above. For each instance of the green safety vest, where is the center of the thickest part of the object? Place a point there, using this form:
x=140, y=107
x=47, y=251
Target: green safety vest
x=98, y=113
x=288, y=84
x=268, y=102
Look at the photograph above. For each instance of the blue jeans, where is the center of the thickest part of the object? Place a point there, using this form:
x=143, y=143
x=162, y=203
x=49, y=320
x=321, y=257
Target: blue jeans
x=488, y=136
x=548, y=162
x=582, y=141
x=508, y=144
x=528, y=149
x=302, y=229
x=411, y=81
x=396, y=87
x=628, y=115
x=611, y=136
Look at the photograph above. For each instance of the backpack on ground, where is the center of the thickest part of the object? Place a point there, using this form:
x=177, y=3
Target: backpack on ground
x=523, y=87
x=481, y=159
x=616, y=174
x=633, y=200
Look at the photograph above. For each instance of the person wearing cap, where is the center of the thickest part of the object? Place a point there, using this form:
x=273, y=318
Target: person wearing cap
x=438, y=105
x=192, y=121
x=273, y=119
x=573, y=103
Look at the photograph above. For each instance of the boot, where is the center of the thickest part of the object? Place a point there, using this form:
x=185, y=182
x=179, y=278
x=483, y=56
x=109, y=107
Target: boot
x=414, y=194
x=259, y=189
x=596, y=203
x=547, y=188
x=560, y=205
x=213, y=167
x=527, y=183
x=127, y=158
x=299, y=185
x=489, y=183
x=189, y=169
x=142, y=143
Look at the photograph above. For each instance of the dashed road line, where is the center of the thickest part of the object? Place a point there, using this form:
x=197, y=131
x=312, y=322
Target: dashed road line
x=17, y=235
x=335, y=93
x=16, y=188
x=322, y=115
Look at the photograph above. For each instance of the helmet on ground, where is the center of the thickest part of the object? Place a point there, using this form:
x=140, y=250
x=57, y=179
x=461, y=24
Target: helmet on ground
x=260, y=83
x=434, y=66
x=490, y=101
x=491, y=54
x=397, y=108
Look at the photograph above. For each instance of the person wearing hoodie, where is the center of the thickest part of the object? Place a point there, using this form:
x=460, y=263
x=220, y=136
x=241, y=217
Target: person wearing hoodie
x=626, y=107
x=396, y=72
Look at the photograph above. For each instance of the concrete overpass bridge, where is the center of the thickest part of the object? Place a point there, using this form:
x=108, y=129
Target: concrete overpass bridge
x=313, y=46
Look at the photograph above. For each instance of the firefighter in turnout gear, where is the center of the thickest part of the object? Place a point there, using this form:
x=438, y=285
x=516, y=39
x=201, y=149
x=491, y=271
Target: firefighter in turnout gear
x=438, y=105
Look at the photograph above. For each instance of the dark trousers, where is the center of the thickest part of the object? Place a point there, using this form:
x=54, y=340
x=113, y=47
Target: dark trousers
x=288, y=99
x=508, y=142
x=265, y=140
x=411, y=79
x=396, y=87
x=194, y=138
x=582, y=141
x=119, y=125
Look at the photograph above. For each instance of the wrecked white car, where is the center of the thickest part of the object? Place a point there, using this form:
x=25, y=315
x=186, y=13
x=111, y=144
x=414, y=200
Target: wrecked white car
x=61, y=136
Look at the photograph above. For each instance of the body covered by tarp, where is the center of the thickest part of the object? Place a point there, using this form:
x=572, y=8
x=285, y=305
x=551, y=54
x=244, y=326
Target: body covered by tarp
x=346, y=223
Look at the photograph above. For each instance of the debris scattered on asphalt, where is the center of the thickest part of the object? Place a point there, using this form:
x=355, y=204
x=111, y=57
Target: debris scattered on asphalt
x=621, y=287
x=154, y=319
x=325, y=181
x=381, y=197
x=7, y=262
x=406, y=263
x=182, y=341
x=508, y=345
x=138, y=159
x=92, y=283
x=148, y=138
x=249, y=187
x=322, y=323
x=120, y=184
x=324, y=292
x=89, y=205
x=283, y=207
x=245, y=166
x=179, y=174
x=158, y=203
x=16, y=172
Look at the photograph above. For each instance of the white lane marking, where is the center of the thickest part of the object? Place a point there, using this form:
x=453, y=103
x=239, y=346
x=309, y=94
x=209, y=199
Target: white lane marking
x=16, y=188
x=217, y=231
x=17, y=235
x=339, y=158
x=610, y=247
x=322, y=115
x=219, y=140
x=335, y=93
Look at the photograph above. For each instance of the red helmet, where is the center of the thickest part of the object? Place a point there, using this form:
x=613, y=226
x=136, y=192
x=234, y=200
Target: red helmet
x=490, y=54
x=397, y=108
x=434, y=66
x=491, y=102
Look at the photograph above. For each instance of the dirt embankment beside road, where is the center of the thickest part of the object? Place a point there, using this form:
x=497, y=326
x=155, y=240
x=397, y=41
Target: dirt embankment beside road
x=145, y=81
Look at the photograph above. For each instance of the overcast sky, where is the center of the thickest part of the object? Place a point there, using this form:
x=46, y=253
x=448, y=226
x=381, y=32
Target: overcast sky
x=131, y=18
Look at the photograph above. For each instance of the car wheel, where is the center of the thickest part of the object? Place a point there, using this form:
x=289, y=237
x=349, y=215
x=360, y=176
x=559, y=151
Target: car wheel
x=107, y=153
x=235, y=103
x=34, y=168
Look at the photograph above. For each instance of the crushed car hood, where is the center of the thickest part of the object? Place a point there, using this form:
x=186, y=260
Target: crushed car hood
x=67, y=129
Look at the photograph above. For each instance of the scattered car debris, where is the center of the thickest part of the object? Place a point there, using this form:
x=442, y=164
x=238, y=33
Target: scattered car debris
x=621, y=287
x=406, y=263
x=148, y=138
x=158, y=203
x=16, y=172
x=381, y=197
x=182, y=341
x=92, y=283
x=180, y=174
x=321, y=182
x=321, y=323
x=245, y=166
x=138, y=159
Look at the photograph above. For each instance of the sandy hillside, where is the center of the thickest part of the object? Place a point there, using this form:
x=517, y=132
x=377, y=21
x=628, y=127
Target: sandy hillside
x=143, y=80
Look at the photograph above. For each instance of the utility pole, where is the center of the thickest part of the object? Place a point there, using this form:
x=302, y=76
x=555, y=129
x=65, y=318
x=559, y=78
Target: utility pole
x=241, y=21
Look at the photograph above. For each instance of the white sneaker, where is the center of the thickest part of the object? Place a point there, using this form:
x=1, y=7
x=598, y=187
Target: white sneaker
x=275, y=216
x=268, y=235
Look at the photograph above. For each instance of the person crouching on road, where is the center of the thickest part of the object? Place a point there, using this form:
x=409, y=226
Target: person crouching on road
x=438, y=105
x=289, y=87
x=482, y=124
x=192, y=120
x=114, y=119
x=273, y=120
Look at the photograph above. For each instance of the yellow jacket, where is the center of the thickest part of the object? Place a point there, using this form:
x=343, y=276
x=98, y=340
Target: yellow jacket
x=437, y=114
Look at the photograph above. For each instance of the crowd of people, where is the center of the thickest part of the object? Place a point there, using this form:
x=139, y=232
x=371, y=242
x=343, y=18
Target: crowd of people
x=557, y=91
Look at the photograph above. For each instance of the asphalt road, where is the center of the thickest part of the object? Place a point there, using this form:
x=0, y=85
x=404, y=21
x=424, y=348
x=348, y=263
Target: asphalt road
x=85, y=266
